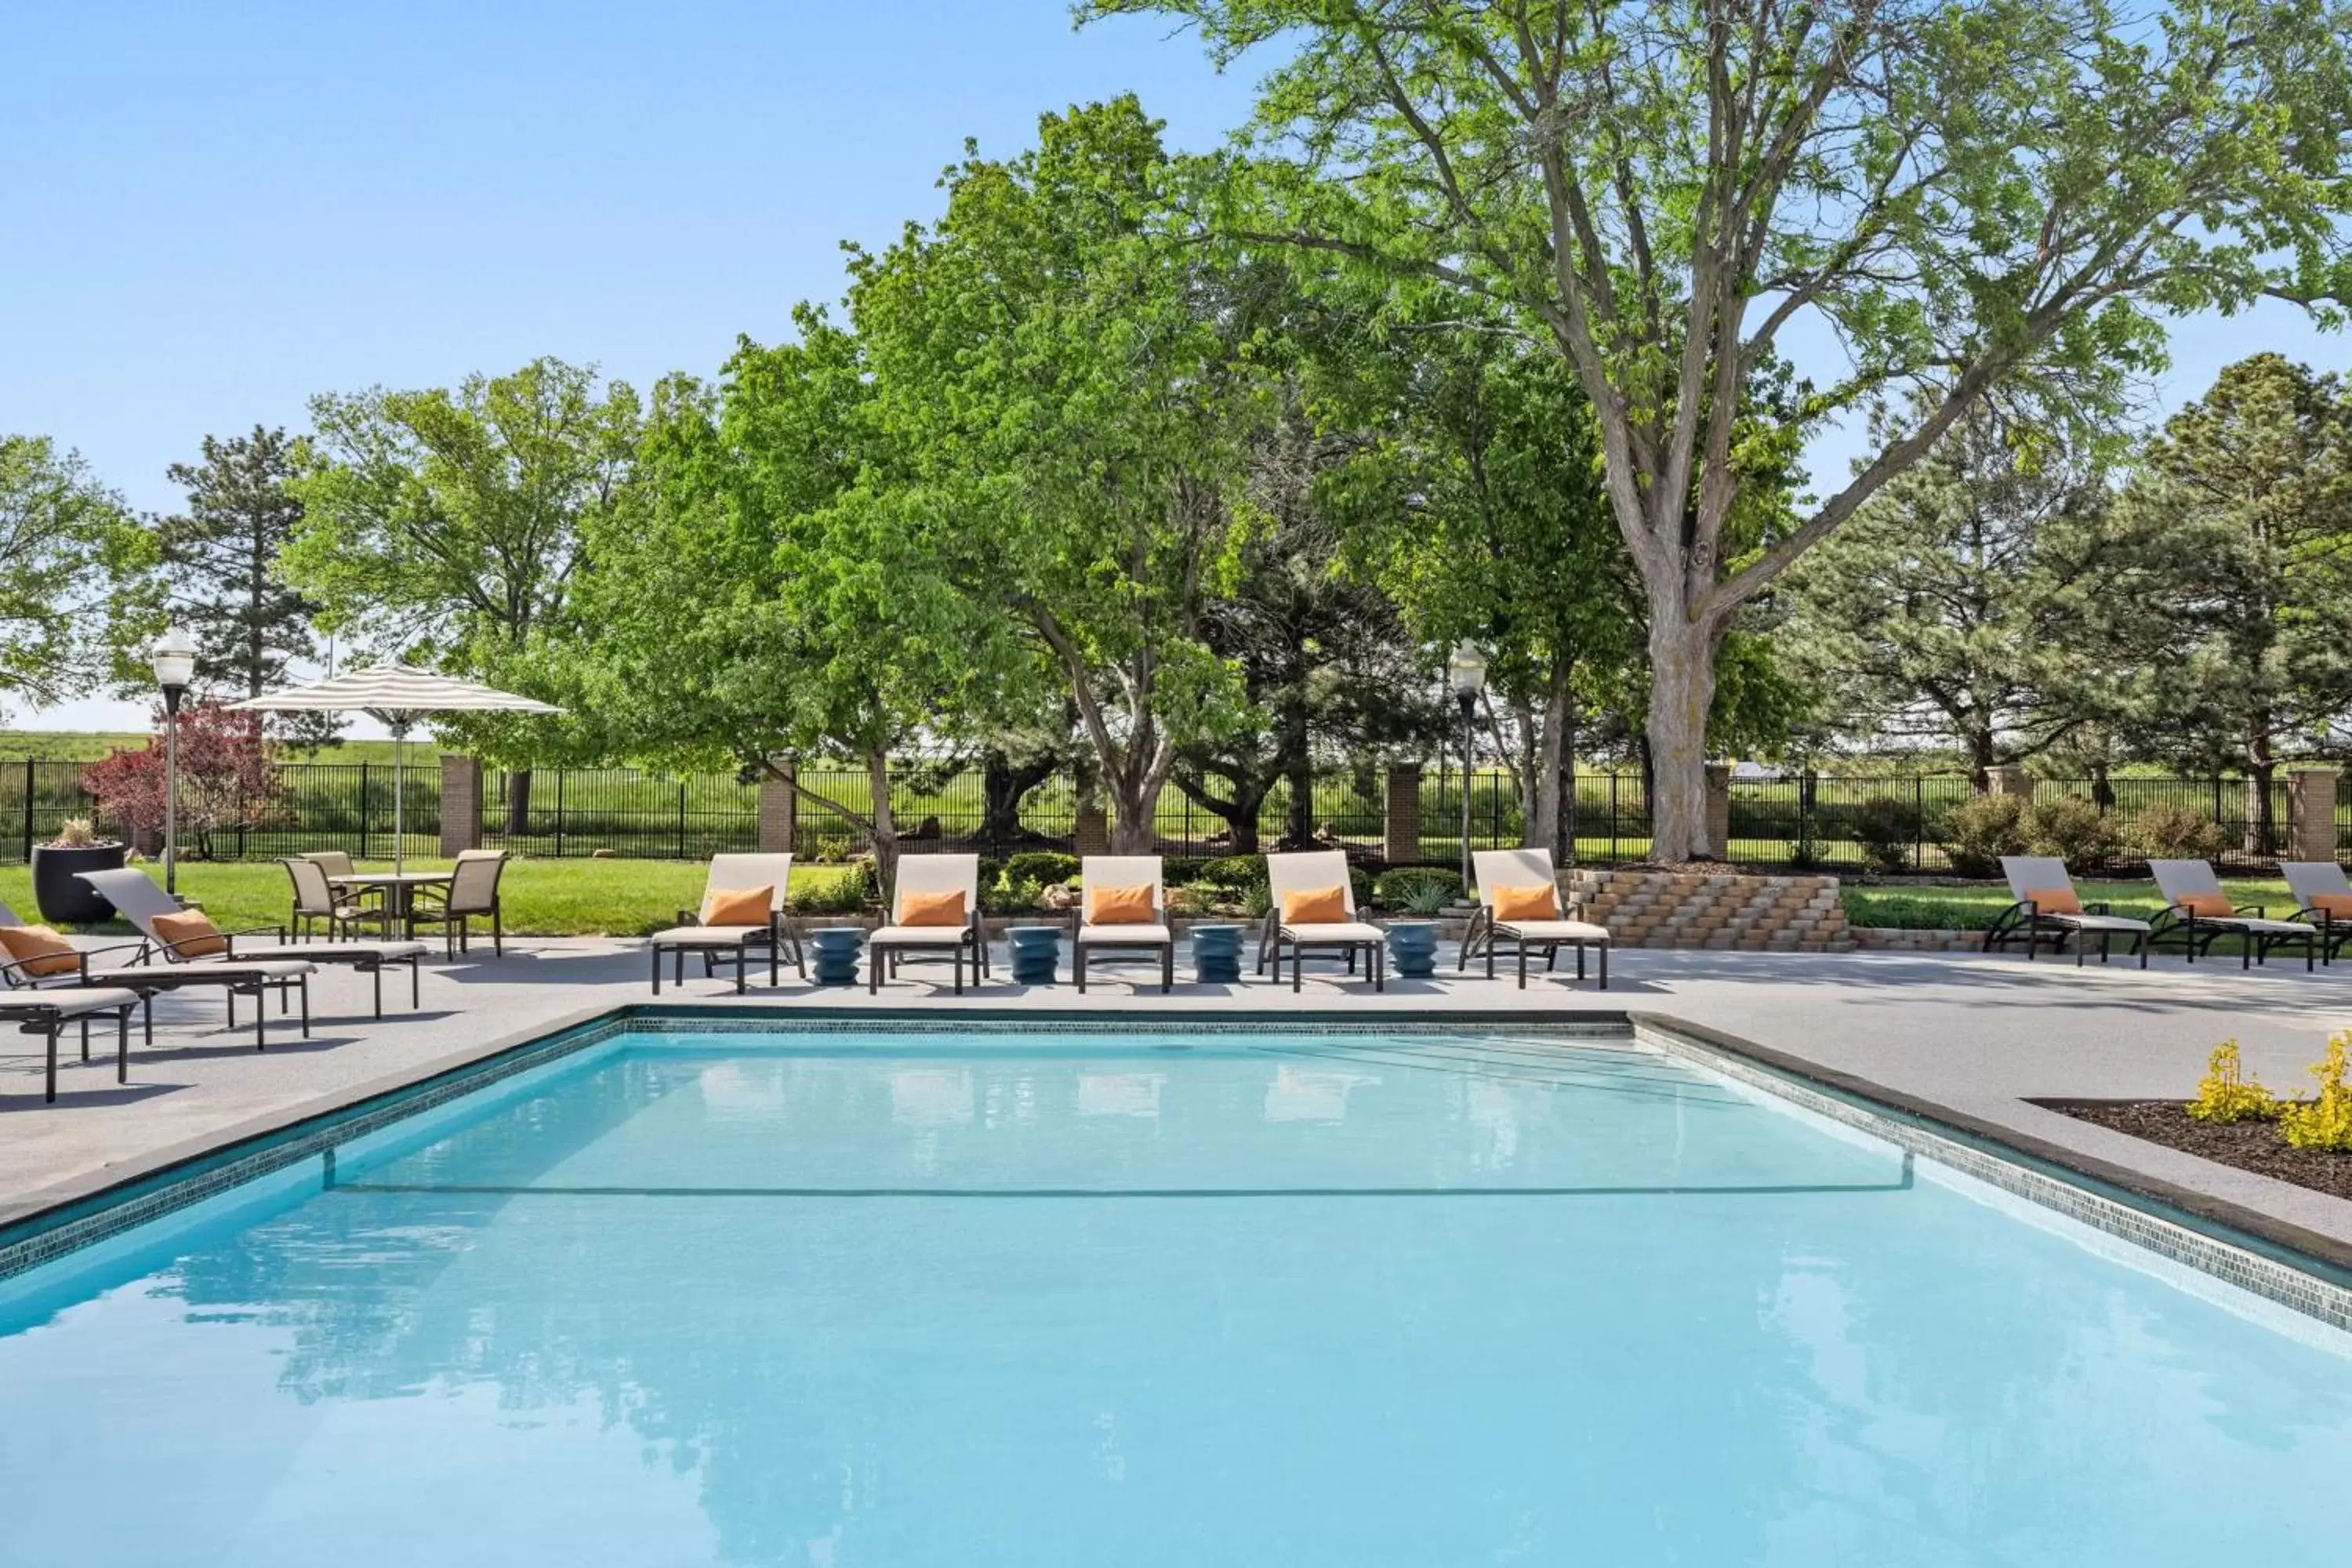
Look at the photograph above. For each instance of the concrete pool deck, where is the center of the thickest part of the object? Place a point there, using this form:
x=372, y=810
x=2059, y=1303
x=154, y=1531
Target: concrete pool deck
x=1982, y=1035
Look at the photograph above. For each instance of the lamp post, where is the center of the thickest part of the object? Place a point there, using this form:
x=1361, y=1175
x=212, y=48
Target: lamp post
x=173, y=657
x=1465, y=672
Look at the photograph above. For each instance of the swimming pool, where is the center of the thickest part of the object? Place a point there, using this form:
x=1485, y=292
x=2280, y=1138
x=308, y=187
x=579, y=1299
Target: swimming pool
x=1359, y=1298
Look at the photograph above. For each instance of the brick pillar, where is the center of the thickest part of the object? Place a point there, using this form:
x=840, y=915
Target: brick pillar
x=779, y=811
x=2311, y=814
x=2011, y=780
x=1719, y=809
x=1090, y=827
x=461, y=804
x=1400, y=827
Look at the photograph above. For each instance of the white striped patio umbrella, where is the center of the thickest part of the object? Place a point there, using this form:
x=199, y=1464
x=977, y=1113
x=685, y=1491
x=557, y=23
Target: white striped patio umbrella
x=399, y=699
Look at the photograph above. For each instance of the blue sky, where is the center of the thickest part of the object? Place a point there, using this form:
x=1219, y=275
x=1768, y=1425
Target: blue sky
x=214, y=211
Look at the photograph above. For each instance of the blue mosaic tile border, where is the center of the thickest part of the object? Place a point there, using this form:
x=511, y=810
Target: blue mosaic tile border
x=2272, y=1279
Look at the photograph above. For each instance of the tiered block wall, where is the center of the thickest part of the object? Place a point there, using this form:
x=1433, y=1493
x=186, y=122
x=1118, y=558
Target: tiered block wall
x=1689, y=909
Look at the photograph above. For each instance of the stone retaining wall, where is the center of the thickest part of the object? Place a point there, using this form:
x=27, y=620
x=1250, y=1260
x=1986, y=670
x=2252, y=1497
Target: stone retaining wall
x=1718, y=910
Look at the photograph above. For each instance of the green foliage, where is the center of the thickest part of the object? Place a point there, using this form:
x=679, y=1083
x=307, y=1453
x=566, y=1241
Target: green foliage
x=1888, y=831
x=2225, y=1096
x=832, y=848
x=1180, y=873
x=1041, y=865
x=1419, y=889
x=2324, y=1121
x=1978, y=831
x=1233, y=873
x=2176, y=833
x=1010, y=895
x=75, y=599
x=2072, y=829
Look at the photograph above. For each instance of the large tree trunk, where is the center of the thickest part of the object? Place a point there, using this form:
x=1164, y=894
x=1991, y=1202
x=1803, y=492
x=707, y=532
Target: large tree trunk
x=519, y=803
x=1135, y=813
x=1543, y=827
x=884, y=826
x=1003, y=787
x=1240, y=815
x=1681, y=690
x=2262, y=768
x=1982, y=758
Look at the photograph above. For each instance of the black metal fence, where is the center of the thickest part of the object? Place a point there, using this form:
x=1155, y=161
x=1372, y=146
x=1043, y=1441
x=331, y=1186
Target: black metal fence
x=1890, y=824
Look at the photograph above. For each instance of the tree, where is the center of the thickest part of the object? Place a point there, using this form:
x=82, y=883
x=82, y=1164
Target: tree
x=2256, y=478
x=1991, y=597
x=228, y=778
x=72, y=566
x=1963, y=195
x=445, y=526
x=1067, y=367
x=220, y=559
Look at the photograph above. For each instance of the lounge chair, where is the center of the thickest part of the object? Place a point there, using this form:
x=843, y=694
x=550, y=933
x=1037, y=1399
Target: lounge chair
x=2047, y=909
x=2199, y=913
x=48, y=1013
x=1298, y=881
x=254, y=978
x=934, y=908
x=2323, y=902
x=1114, y=918
x=138, y=900
x=716, y=931
x=470, y=894
x=1535, y=921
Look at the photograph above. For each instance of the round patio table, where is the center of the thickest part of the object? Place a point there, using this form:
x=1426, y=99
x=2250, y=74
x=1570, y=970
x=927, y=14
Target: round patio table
x=1217, y=954
x=835, y=950
x=1036, y=953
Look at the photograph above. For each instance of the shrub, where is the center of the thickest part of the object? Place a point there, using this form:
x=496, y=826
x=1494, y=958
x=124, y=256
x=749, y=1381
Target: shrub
x=2325, y=1121
x=1886, y=830
x=1041, y=865
x=1420, y=889
x=2176, y=833
x=832, y=848
x=842, y=894
x=1234, y=872
x=1010, y=895
x=1978, y=831
x=2225, y=1096
x=1180, y=873
x=2072, y=828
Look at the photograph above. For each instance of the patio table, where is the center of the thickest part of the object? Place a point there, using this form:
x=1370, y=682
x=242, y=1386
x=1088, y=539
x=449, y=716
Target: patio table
x=399, y=887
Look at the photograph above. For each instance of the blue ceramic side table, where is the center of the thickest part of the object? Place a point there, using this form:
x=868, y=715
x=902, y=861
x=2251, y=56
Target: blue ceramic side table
x=1036, y=953
x=1412, y=949
x=1217, y=954
x=835, y=950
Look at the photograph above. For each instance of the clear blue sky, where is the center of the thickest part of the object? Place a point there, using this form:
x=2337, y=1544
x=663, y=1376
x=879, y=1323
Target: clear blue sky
x=212, y=212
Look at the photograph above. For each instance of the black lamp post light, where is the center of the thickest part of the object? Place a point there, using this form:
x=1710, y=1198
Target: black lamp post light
x=1466, y=672
x=173, y=659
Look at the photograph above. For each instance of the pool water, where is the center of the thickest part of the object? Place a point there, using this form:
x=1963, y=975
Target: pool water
x=1216, y=1300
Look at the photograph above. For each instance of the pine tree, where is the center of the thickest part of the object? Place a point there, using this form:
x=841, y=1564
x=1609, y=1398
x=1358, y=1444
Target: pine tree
x=220, y=559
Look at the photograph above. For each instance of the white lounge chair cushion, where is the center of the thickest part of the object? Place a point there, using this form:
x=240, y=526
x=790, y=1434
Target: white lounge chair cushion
x=2256, y=923
x=328, y=952
x=919, y=936
x=1552, y=930
x=708, y=936
x=1335, y=931
x=179, y=973
x=67, y=1003
x=1125, y=936
x=2098, y=923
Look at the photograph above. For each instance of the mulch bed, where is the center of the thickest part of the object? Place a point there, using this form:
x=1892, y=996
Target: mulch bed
x=2254, y=1146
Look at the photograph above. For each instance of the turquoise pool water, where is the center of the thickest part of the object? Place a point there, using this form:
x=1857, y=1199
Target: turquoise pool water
x=839, y=1302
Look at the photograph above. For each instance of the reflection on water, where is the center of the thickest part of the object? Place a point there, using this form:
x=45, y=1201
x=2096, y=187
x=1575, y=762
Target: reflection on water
x=628, y=1350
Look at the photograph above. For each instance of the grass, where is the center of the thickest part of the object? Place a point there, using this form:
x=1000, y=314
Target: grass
x=542, y=898
x=1974, y=907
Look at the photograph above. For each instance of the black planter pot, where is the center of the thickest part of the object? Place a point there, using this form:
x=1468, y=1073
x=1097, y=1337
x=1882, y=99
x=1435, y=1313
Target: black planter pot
x=57, y=887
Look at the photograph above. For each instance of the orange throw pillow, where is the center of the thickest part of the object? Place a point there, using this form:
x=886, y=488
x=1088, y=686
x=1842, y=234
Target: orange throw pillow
x=2336, y=906
x=1538, y=902
x=931, y=908
x=190, y=936
x=39, y=949
x=738, y=906
x=2207, y=906
x=2053, y=900
x=1316, y=907
x=1120, y=906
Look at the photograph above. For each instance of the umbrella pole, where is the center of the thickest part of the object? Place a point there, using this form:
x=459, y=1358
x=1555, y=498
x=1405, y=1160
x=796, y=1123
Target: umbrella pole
x=399, y=772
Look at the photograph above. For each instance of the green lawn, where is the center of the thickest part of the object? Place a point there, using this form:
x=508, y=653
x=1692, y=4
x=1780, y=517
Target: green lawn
x=1975, y=907
x=542, y=898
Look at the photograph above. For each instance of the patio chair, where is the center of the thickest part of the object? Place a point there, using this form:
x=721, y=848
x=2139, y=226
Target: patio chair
x=140, y=901
x=717, y=931
x=49, y=1015
x=1122, y=913
x=2324, y=900
x=179, y=971
x=2199, y=913
x=470, y=894
x=934, y=908
x=334, y=862
x=1519, y=904
x=2047, y=909
x=316, y=899
x=1314, y=914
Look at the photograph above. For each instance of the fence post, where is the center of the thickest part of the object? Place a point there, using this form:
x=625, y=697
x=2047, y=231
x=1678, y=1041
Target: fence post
x=1918, y=823
x=1400, y=814
x=28, y=810
x=559, y=814
x=2311, y=814
x=779, y=810
x=461, y=804
x=363, y=811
